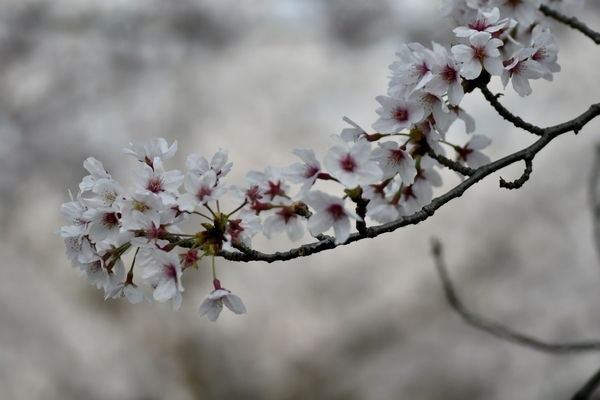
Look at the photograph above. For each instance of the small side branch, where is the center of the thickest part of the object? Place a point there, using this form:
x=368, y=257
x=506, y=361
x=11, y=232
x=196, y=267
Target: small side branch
x=586, y=392
x=517, y=184
x=507, y=115
x=594, y=197
x=453, y=165
x=571, y=22
x=496, y=329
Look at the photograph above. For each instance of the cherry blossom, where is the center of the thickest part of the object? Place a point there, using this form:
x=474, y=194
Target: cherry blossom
x=519, y=69
x=162, y=270
x=306, y=173
x=153, y=148
x=351, y=165
x=393, y=159
x=330, y=211
x=201, y=189
x=470, y=153
x=397, y=114
x=212, y=305
x=482, y=53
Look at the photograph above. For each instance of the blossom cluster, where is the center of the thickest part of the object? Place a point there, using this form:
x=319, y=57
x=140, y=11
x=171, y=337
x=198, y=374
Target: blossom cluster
x=382, y=176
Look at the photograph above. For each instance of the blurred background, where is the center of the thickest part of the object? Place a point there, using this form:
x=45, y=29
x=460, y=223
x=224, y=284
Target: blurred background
x=260, y=78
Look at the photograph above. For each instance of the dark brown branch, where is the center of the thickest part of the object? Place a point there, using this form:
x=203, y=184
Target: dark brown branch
x=571, y=22
x=517, y=184
x=594, y=197
x=499, y=330
x=586, y=392
x=427, y=211
x=446, y=162
x=507, y=115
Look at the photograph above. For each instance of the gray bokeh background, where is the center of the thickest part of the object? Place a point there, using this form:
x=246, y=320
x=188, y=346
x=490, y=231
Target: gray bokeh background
x=261, y=77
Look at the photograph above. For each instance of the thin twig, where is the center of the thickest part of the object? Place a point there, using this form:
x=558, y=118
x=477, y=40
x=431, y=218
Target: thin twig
x=507, y=115
x=571, y=22
x=594, y=194
x=517, y=184
x=496, y=329
x=446, y=162
x=586, y=392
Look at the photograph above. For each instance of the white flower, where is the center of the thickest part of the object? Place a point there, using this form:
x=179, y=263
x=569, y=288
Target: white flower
x=446, y=77
x=483, y=53
x=212, y=304
x=330, y=211
x=199, y=165
x=104, y=223
x=470, y=153
x=393, y=160
x=414, y=68
x=519, y=69
x=156, y=180
x=142, y=201
x=485, y=22
x=96, y=170
x=156, y=147
x=351, y=165
x=163, y=271
x=242, y=229
x=284, y=219
x=397, y=114
x=545, y=51
x=306, y=173
x=352, y=134
x=129, y=290
x=201, y=189
x=73, y=210
x=523, y=11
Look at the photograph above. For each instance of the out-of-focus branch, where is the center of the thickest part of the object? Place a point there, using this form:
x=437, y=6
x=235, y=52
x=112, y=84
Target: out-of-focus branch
x=571, y=22
x=594, y=197
x=499, y=330
x=507, y=115
x=586, y=392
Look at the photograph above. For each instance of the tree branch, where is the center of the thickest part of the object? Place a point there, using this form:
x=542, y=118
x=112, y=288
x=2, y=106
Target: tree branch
x=594, y=194
x=496, y=329
x=507, y=115
x=586, y=392
x=517, y=184
x=446, y=162
x=427, y=211
x=571, y=22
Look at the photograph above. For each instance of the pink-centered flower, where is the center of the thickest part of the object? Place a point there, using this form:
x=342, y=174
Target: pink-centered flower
x=162, y=270
x=482, y=53
x=212, y=305
x=394, y=159
x=519, y=69
x=397, y=114
x=351, y=165
x=156, y=147
x=306, y=173
x=330, y=211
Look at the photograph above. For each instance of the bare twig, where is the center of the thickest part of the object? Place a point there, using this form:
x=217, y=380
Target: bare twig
x=507, y=115
x=446, y=162
x=571, y=22
x=496, y=329
x=594, y=197
x=517, y=184
x=586, y=392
